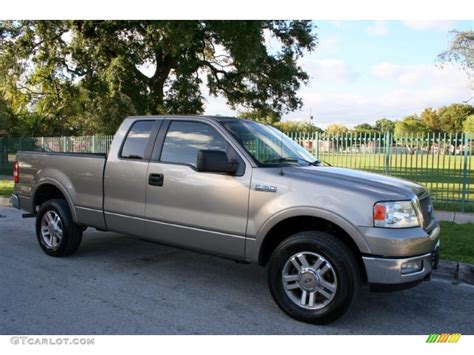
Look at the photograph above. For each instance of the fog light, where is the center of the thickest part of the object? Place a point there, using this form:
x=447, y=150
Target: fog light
x=409, y=267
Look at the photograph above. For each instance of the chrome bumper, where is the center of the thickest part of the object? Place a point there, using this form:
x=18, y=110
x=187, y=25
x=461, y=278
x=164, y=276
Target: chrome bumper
x=389, y=270
x=15, y=201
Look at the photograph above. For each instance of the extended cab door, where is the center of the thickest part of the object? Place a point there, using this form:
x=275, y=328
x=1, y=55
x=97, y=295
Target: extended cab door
x=206, y=211
x=125, y=177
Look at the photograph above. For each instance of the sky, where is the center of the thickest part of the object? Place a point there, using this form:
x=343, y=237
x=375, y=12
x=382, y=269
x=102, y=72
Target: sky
x=362, y=71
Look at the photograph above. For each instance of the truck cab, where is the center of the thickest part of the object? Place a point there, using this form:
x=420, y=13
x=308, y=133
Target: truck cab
x=242, y=190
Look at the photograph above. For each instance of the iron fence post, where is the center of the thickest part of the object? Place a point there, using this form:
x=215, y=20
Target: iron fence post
x=387, y=152
x=465, y=170
x=317, y=145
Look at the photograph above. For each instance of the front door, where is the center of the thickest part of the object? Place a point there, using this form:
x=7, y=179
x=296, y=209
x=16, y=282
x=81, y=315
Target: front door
x=205, y=211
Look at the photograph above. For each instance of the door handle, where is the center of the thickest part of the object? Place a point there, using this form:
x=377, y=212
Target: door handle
x=155, y=179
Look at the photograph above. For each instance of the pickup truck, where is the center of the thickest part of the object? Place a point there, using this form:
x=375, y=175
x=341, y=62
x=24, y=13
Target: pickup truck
x=242, y=190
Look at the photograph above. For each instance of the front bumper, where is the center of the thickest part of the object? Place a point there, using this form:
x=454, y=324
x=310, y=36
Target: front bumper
x=388, y=271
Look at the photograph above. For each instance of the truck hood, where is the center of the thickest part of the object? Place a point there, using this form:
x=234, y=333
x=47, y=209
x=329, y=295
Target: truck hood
x=360, y=180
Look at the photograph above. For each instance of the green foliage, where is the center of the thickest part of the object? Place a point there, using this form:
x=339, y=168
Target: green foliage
x=468, y=124
x=70, y=77
x=431, y=120
x=364, y=128
x=453, y=116
x=297, y=126
x=385, y=125
x=260, y=116
x=410, y=125
x=6, y=188
x=336, y=129
x=461, y=51
x=6, y=118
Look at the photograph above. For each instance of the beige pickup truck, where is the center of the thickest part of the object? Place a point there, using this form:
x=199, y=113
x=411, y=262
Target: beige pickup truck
x=242, y=190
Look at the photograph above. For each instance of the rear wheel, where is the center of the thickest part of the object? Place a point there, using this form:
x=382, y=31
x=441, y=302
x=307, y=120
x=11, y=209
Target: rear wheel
x=56, y=231
x=313, y=277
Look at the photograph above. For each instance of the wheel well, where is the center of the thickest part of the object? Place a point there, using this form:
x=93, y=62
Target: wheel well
x=46, y=192
x=293, y=225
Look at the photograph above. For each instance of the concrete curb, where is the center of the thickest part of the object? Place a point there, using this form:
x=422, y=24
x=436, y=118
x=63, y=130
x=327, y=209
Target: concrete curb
x=456, y=217
x=458, y=272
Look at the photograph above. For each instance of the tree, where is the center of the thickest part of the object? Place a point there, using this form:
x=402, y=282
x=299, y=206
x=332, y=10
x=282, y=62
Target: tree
x=297, y=126
x=410, y=125
x=64, y=69
x=453, y=116
x=430, y=119
x=384, y=125
x=468, y=124
x=336, y=129
x=461, y=51
x=364, y=128
x=260, y=116
x=6, y=118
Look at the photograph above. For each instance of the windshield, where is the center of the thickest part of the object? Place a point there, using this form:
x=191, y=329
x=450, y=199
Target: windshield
x=267, y=145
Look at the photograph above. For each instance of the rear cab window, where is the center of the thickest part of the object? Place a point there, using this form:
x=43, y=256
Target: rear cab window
x=136, y=140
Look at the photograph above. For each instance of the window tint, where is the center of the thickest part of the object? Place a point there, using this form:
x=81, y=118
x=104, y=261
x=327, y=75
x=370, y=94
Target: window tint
x=137, y=138
x=184, y=140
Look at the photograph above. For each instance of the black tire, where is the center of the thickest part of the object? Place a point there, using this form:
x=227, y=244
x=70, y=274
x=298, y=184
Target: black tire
x=344, y=267
x=71, y=232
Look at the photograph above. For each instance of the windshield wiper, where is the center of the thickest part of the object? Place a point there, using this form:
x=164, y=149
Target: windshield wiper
x=293, y=160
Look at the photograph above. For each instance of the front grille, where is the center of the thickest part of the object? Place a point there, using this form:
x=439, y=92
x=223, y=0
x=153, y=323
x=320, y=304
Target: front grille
x=426, y=210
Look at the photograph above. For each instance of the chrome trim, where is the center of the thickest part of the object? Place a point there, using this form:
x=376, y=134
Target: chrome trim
x=51, y=230
x=15, y=200
x=434, y=235
x=388, y=270
x=265, y=188
x=417, y=206
x=89, y=209
x=176, y=225
x=309, y=280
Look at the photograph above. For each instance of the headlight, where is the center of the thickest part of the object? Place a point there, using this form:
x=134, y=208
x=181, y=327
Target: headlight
x=395, y=214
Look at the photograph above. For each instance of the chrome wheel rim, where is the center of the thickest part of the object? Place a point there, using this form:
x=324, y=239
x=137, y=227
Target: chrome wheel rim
x=51, y=229
x=309, y=280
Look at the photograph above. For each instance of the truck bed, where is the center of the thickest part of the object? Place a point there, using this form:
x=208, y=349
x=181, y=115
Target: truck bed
x=80, y=174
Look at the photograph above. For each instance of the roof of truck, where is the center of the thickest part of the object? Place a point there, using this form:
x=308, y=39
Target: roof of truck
x=215, y=118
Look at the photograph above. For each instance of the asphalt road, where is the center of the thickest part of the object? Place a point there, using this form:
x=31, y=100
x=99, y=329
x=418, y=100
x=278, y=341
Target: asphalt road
x=120, y=285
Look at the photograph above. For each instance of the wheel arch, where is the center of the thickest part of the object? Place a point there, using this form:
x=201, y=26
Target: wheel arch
x=50, y=189
x=281, y=226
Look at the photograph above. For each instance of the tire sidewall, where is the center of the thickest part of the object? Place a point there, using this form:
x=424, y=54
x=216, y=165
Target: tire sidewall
x=62, y=210
x=346, y=279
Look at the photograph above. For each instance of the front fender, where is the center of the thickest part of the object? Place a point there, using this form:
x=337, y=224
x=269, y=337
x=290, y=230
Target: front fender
x=253, y=246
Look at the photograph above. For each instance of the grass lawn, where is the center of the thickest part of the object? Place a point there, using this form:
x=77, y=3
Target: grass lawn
x=457, y=242
x=6, y=187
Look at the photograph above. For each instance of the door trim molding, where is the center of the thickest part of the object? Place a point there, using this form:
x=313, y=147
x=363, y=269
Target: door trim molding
x=241, y=236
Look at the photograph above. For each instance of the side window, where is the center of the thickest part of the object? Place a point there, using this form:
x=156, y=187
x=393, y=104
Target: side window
x=136, y=140
x=184, y=139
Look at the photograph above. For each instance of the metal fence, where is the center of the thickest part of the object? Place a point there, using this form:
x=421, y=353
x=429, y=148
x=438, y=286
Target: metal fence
x=83, y=144
x=441, y=162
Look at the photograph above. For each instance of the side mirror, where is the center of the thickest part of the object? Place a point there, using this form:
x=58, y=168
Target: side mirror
x=215, y=161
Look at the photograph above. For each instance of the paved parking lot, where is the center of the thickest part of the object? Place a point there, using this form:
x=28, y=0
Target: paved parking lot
x=120, y=285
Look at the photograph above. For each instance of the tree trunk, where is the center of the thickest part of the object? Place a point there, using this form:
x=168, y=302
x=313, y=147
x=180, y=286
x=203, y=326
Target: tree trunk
x=157, y=83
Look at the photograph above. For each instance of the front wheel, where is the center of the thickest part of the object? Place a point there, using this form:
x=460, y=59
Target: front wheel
x=313, y=277
x=56, y=231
